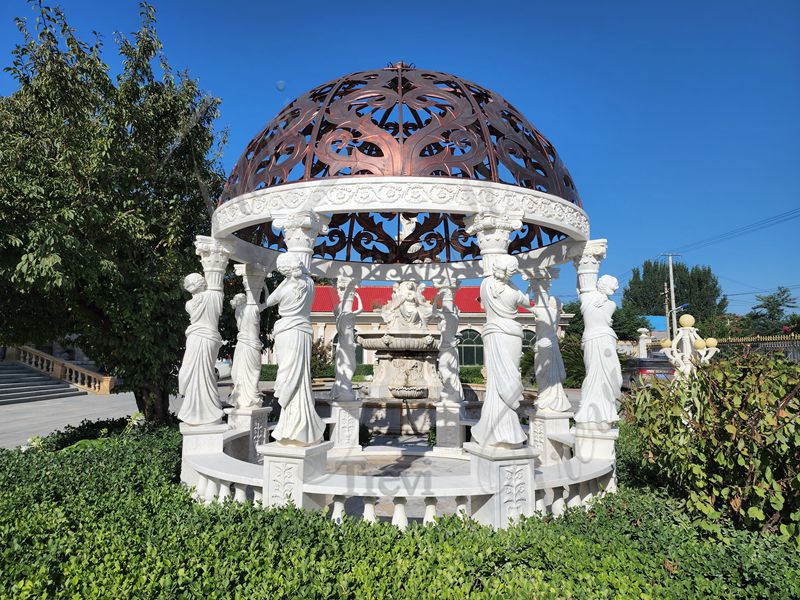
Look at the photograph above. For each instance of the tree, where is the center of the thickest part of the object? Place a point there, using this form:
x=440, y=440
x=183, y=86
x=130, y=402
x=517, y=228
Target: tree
x=104, y=183
x=698, y=287
x=626, y=321
x=768, y=317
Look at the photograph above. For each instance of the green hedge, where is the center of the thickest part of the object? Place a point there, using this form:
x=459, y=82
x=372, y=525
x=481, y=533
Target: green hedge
x=471, y=374
x=268, y=372
x=112, y=521
x=728, y=440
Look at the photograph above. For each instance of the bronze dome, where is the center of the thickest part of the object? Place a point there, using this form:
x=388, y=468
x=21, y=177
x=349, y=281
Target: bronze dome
x=400, y=121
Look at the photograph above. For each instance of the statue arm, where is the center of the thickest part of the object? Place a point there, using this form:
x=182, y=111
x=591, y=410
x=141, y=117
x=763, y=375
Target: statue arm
x=360, y=304
x=275, y=296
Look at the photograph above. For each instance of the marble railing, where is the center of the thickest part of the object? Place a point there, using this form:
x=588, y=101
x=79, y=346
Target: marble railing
x=76, y=375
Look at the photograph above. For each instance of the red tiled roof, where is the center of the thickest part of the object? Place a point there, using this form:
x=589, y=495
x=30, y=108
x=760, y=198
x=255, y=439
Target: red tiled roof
x=468, y=299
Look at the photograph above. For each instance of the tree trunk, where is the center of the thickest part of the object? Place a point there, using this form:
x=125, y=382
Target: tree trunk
x=153, y=403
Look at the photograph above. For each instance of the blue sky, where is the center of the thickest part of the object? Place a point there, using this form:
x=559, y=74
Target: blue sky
x=678, y=120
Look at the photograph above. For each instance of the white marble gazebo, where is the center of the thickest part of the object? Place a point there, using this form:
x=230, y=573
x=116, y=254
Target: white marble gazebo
x=400, y=175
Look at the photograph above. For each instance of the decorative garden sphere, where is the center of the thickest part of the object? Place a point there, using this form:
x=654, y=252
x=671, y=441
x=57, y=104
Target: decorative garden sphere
x=699, y=344
x=686, y=321
x=666, y=343
x=711, y=343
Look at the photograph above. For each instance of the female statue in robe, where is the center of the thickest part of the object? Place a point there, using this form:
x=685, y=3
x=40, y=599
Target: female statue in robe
x=601, y=386
x=197, y=380
x=299, y=423
x=547, y=362
x=447, y=314
x=502, y=340
x=246, y=370
x=346, y=347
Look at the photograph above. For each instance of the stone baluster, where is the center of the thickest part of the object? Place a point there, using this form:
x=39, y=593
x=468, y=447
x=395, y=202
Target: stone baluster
x=461, y=506
x=338, y=509
x=558, y=506
x=399, y=518
x=430, y=510
x=369, y=509
x=239, y=492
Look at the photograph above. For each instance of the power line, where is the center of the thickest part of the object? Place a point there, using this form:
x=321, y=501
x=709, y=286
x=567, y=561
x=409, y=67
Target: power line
x=745, y=229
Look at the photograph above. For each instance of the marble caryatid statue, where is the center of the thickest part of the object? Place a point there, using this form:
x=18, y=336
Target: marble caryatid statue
x=502, y=341
x=447, y=362
x=601, y=387
x=408, y=308
x=299, y=423
x=345, y=314
x=246, y=370
x=197, y=380
x=547, y=362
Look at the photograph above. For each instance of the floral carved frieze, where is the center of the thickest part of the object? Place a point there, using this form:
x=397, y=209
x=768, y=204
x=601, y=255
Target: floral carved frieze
x=546, y=213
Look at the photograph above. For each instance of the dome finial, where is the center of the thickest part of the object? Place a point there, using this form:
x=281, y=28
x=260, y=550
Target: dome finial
x=400, y=65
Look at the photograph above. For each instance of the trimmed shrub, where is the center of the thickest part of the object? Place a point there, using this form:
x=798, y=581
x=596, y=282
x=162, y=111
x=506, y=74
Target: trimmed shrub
x=728, y=439
x=269, y=372
x=471, y=375
x=112, y=521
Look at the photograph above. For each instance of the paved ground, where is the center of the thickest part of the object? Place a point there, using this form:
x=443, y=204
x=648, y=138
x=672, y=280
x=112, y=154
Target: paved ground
x=21, y=421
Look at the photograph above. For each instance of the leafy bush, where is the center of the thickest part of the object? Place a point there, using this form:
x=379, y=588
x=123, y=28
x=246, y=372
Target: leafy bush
x=572, y=355
x=269, y=372
x=321, y=360
x=112, y=521
x=362, y=371
x=728, y=439
x=471, y=375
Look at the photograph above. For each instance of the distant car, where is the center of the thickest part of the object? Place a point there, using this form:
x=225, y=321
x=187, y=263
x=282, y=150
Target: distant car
x=641, y=372
x=223, y=368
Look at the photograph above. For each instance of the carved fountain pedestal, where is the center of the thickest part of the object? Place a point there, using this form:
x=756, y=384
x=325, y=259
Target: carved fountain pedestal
x=405, y=376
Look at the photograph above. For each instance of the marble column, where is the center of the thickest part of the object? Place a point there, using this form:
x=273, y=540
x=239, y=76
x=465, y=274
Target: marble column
x=449, y=406
x=595, y=431
x=345, y=407
x=197, y=381
x=201, y=410
x=300, y=231
x=246, y=370
x=548, y=364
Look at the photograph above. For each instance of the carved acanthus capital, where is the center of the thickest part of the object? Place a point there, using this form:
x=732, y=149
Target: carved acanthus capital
x=213, y=255
x=588, y=264
x=493, y=233
x=300, y=230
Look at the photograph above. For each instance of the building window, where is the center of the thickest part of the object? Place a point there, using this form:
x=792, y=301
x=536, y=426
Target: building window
x=528, y=340
x=359, y=351
x=470, y=348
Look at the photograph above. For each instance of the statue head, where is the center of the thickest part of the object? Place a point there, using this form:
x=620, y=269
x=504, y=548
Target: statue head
x=505, y=266
x=408, y=291
x=607, y=285
x=238, y=300
x=290, y=265
x=194, y=283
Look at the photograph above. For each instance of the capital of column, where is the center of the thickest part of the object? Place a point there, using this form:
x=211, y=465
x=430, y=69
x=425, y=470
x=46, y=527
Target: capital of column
x=253, y=276
x=493, y=233
x=300, y=231
x=446, y=290
x=540, y=280
x=588, y=265
x=213, y=255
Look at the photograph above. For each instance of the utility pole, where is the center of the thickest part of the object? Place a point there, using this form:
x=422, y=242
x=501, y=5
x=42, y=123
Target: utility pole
x=666, y=310
x=672, y=295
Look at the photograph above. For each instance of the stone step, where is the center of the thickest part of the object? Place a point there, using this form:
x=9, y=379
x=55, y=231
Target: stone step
x=45, y=396
x=6, y=379
x=10, y=389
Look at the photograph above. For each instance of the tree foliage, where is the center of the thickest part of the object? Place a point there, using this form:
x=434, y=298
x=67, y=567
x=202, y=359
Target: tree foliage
x=768, y=316
x=698, y=287
x=104, y=183
x=625, y=322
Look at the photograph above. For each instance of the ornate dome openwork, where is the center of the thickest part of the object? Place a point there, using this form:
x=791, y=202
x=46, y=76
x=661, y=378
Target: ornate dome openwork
x=401, y=121
x=398, y=159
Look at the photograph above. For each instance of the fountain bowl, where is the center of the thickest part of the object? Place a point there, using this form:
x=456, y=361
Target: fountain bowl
x=401, y=341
